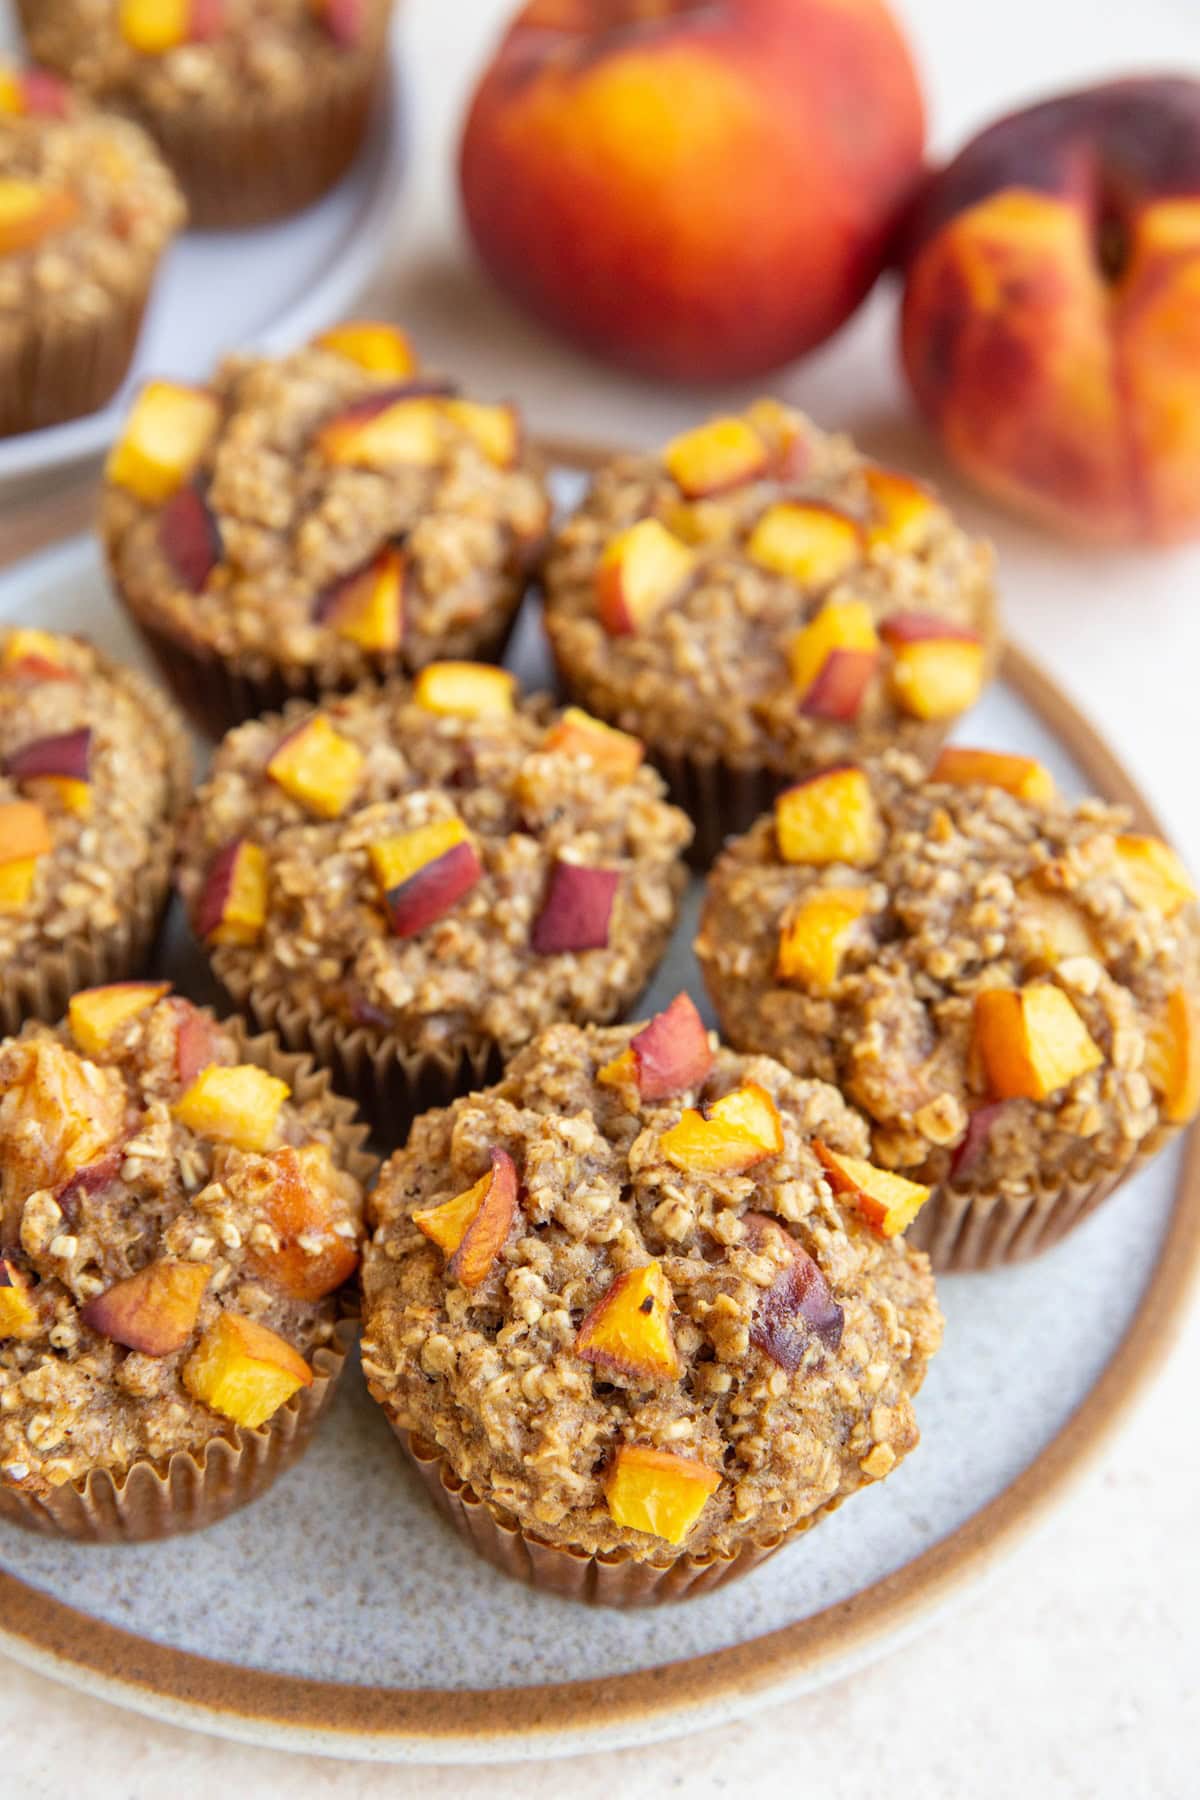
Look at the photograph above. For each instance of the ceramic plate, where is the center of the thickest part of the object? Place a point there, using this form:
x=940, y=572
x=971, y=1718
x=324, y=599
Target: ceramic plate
x=272, y=287
x=339, y=1615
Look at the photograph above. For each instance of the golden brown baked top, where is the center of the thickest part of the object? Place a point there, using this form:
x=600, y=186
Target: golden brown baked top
x=173, y=1225
x=762, y=593
x=439, y=862
x=661, y=1330
x=1005, y=983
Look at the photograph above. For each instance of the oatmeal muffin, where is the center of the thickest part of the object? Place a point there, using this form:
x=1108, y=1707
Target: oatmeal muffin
x=179, y=1207
x=1008, y=986
x=259, y=106
x=94, y=769
x=635, y=1315
x=87, y=209
x=412, y=881
x=303, y=524
x=759, y=600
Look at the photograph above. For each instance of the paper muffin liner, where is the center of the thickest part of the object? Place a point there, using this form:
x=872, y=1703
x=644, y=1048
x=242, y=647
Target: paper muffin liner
x=965, y=1232
x=41, y=988
x=193, y=1488
x=54, y=370
x=607, y=1578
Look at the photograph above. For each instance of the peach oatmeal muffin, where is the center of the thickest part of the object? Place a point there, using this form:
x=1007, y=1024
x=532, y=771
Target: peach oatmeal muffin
x=94, y=768
x=638, y=1313
x=412, y=881
x=87, y=210
x=178, y=1207
x=1007, y=985
x=760, y=599
x=258, y=105
x=303, y=523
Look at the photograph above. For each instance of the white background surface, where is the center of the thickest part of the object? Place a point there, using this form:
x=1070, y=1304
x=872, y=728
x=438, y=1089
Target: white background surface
x=1076, y=1672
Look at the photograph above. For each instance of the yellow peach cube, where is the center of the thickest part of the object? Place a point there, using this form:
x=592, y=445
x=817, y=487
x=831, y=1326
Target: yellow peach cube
x=811, y=544
x=657, y=1492
x=318, y=767
x=237, y=1105
x=244, y=1371
x=465, y=690
x=815, y=935
x=830, y=818
x=1031, y=1041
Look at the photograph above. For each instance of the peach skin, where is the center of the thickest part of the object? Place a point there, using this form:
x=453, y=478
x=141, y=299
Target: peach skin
x=1051, y=324
x=698, y=189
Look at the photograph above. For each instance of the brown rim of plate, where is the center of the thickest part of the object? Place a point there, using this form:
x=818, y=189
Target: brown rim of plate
x=336, y=1719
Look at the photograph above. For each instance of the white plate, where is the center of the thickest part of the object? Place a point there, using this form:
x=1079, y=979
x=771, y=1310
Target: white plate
x=343, y=1575
x=270, y=288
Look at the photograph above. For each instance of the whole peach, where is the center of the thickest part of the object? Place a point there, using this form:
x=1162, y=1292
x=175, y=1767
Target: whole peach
x=1051, y=326
x=699, y=189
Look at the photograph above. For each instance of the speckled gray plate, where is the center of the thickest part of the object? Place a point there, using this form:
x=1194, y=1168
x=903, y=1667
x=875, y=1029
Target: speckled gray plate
x=339, y=1615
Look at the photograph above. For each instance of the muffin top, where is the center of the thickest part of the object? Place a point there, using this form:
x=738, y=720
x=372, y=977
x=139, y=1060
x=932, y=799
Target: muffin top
x=329, y=510
x=1007, y=985
x=157, y=57
x=92, y=766
x=648, y=1324
x=762, y=594
x=87, y=206
x=173, y=1225
x=435, y=862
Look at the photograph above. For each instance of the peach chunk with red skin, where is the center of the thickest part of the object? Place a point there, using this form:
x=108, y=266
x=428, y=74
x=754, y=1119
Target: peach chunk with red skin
x=799, y=1306
x=59, y=1115
x=57, y=768
x=666, y=1056
x=317, y=767
x=1021, y=776
x=168, y=430
x=658, y=1492
x=424, y=873
x=643, y=569
x=829, y=818
x=33, y=655
x=388, y=429
x=615, y=753
x=472, y=1228
x=189, y=536
x=155, y=27
x=366, y=607
x=937, y=665
x=32, y=211
x=196, y=1041
x=904, y=510
x=465, y=690
x=833, y=659
x=1031, y=1041
x=628, y=1330
x=344, y=20
x=33, y=94
x=18, y=1310
x=716, y=457
x=380, y=349
x=232, y=907
x=887, y=1202
x=725, y=1136
x=154, y=1310
x=576, y=911
x=97, y=1016
x=244, y=1370
x=295, y=1193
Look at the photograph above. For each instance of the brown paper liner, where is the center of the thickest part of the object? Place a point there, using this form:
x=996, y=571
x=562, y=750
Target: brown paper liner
x=190, y=1489
x=606, y=1579
x=51, y=372
x=42, y=989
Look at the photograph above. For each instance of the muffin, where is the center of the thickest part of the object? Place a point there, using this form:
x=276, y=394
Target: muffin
x=178, y=1208
x=259, y=106
x=759, y=600
x=94, y=769
x=624, y=1320
x=1007, y=986
x=412, y=881
x=87, y=209
x=303, y=524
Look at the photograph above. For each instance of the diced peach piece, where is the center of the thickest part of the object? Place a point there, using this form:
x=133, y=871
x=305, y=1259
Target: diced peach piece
x=666, y=1056
x=97, y=1015
x=815, y=934
x=628, y=1331
x=31, y=211
x=423, y=873
x=57, y=769
x=154, y=1311
x=830, y=818
x=657, y=1492
x=576, y=910
x=937, y=671
x=471, y=1229
x=24, y=832
x=833, y=658
x=724, y=454
x=974, y=1140
x=1031, y=1041
x=494, y=430
x=237, y=1105
x=344, y=20
x=165, y=437
x=904, y=510
x=1152, y=874
x=641, y=571
x=1020, y=775
x=1173, y=1057
x=613, y=752
x=244, y=1371
x=889, y=1203
x=367, y=607
x=196, y=1036
x=726, y=1136
x=385, y=431
x=808, y=542
x=36, y=655
x=318, y=767
x=790, y=450
x=190, y=537
x=799, y=1304
x=63, y=1115
x=381, y=349
x=465, y=690
x=43, y=95
x=16, y=883
x=154, y=26
x=18, y=1314
x=1054, y=926
x=297, y=1198
x=232, y=908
